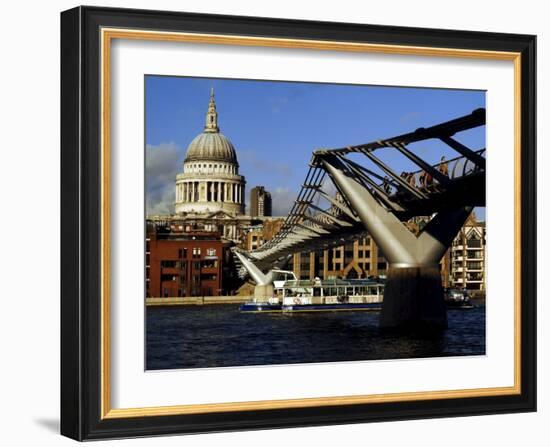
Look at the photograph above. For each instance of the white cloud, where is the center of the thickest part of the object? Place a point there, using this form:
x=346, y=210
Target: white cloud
x=162, y=163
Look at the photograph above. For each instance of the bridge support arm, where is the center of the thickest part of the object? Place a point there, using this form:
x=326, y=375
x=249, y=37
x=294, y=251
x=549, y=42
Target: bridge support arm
x=388, y=231
x=264, y=282
x=259, y=277
x=413, y=296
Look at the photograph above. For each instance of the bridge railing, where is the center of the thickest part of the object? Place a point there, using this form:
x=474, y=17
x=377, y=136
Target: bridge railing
x=454, y=168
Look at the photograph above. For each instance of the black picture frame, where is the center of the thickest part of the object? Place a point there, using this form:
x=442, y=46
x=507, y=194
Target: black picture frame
x=81, y=208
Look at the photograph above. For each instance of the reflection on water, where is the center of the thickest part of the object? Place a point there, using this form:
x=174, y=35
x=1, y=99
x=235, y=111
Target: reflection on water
x=219, y=335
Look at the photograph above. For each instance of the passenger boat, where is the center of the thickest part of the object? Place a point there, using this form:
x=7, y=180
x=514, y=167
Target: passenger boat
x=293, y=295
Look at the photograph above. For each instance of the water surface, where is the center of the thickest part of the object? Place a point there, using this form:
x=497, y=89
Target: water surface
x=219, y=335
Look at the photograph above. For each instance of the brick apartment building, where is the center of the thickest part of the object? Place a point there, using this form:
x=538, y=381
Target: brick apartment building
x=180, y=263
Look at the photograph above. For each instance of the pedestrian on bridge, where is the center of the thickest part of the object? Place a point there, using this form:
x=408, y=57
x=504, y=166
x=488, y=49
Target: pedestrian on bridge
x=444, y=167
x=386, y=185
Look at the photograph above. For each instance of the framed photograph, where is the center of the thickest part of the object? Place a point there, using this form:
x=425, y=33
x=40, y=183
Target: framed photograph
x=273, y=223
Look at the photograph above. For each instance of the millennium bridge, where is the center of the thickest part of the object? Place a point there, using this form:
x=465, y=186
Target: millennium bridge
x=350, y=192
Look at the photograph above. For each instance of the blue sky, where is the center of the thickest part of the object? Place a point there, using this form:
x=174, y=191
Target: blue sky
x=275, y=126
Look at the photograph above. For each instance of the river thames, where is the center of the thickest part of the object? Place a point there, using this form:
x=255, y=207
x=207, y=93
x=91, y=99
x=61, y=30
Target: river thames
x=220, y=335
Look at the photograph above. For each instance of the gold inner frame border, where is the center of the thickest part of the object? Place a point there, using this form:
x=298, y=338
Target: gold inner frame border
x=107, y=35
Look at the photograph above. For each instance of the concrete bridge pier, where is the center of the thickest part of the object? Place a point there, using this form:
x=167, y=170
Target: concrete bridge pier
x=263, y=292
x=264, y=282
x=413, y=299
x=413, y=296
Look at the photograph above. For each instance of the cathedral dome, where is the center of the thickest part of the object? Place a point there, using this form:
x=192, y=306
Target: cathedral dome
x=211, y=146
x=210, y=181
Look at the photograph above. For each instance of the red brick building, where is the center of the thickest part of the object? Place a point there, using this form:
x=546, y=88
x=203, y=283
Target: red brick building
x=179, y=263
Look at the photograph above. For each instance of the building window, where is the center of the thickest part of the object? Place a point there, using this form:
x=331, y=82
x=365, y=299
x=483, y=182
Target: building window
x=474, y=241
x=209, y=264
x=170, y=264
x=168, y=278
x=211, y=252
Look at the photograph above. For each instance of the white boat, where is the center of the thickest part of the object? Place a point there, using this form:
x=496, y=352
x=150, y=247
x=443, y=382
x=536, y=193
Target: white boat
x=293, y=295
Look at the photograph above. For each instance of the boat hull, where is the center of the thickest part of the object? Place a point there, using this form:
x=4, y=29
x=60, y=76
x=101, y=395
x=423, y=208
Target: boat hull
x=266, y=307
x=339, y=307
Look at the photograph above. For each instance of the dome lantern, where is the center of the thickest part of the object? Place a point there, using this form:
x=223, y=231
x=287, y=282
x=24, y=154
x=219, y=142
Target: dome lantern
x=212, y=115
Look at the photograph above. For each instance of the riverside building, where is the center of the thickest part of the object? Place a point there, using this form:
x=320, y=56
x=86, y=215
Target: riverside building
x=468, y=257
x=179, y=263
